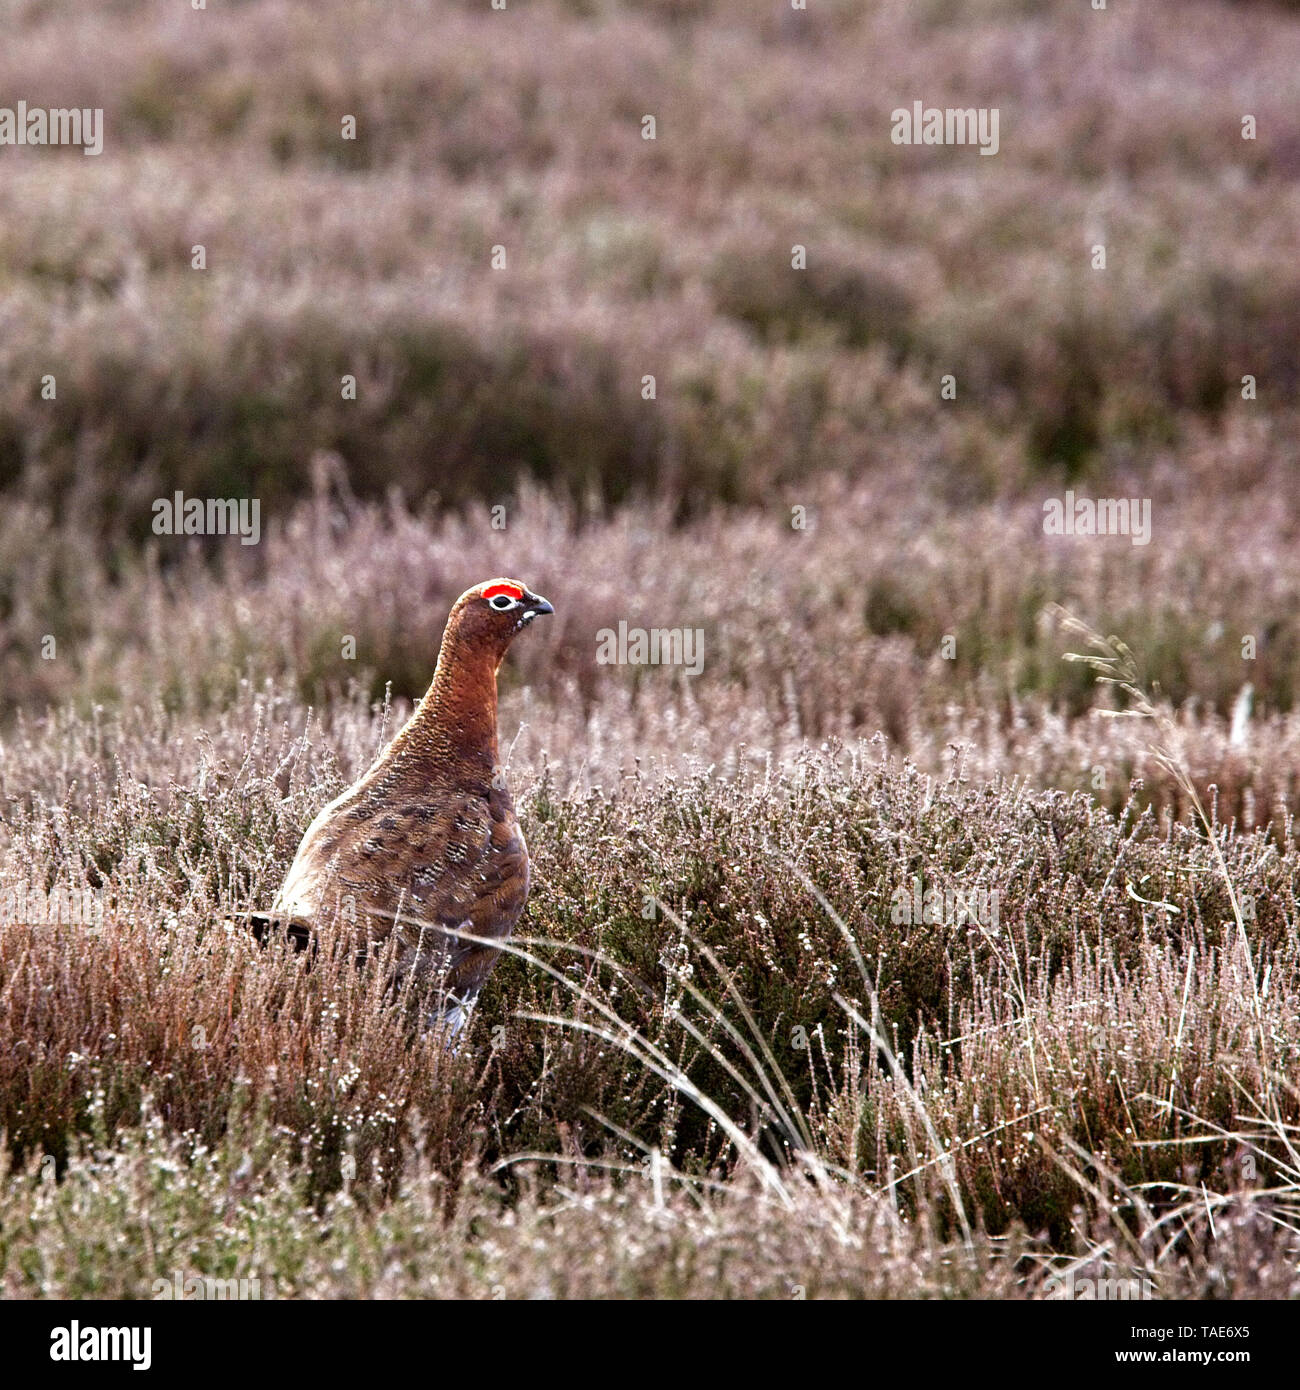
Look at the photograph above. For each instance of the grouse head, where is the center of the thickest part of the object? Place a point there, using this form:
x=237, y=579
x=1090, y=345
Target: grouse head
x=489, y=616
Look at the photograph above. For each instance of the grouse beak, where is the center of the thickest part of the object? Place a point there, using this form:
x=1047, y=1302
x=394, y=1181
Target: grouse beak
x=535, y=606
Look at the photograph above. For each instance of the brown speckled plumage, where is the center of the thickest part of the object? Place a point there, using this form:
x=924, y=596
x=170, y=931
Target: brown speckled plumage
x=427, y=838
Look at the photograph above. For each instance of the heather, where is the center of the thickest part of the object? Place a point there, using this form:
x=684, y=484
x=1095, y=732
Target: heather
x=892, y=954
x=624, y=257
x=837, y=629
x=714, y=996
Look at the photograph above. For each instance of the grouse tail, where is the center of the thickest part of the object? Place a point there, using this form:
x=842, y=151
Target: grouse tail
x=266, y=926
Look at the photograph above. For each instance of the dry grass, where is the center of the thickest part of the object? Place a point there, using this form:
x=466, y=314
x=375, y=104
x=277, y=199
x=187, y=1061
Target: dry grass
x=716, y=1064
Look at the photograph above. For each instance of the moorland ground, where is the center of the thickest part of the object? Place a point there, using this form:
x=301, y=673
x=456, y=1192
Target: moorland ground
x=720, y=1064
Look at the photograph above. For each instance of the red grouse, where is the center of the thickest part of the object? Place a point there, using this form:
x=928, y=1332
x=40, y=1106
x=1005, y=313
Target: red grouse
x=427, y=839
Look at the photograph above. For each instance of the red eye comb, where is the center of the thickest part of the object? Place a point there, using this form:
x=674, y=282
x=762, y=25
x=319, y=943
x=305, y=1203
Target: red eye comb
x=512, y=590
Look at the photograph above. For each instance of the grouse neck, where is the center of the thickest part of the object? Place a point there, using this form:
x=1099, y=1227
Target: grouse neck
x=455, y=727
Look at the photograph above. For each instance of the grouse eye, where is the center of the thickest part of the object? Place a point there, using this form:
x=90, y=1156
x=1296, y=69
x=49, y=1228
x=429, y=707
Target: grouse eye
x=501, y=602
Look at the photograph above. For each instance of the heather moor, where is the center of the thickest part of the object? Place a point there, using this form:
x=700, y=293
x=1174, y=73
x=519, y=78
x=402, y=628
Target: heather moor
x=896, y=404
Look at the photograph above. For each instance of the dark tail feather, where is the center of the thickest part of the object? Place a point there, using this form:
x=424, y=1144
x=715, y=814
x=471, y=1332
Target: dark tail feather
x=266, y=925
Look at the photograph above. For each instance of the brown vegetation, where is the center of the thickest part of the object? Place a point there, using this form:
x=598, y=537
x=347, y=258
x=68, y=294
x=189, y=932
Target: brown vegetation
x=720, y=1064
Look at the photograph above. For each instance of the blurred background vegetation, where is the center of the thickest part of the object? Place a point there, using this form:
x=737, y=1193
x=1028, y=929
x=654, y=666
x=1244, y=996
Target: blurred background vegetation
x=173, y=711
x=627, y=257
x=775, y=388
